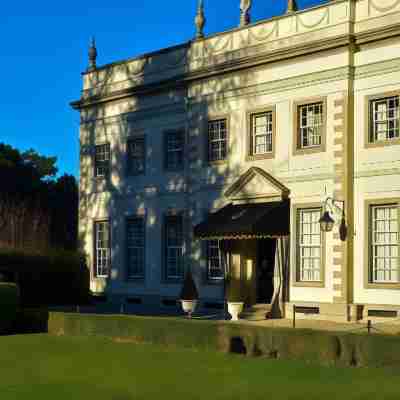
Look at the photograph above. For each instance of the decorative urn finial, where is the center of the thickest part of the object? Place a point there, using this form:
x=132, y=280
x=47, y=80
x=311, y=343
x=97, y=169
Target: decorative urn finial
x=92, y=55
x=292, y=6
x=200, y=20
x=245, y=6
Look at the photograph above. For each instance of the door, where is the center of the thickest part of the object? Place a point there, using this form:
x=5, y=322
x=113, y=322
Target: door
x=265, y=270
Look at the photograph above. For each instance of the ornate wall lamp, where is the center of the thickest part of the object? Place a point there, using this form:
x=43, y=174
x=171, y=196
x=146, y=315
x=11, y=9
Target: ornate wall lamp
x=327, y=222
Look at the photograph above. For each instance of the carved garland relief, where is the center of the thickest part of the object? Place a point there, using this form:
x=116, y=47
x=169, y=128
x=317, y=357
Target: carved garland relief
x=374, y=4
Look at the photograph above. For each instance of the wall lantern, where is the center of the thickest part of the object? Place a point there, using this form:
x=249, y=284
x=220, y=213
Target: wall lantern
x=327, y=222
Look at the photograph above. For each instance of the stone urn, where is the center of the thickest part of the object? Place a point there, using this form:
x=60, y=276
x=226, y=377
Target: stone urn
x=234, y=309
x=189, y=295
x=189, y=306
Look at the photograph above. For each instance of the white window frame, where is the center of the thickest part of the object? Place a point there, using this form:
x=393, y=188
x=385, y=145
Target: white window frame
x=136, y=159
x=174, y=150
x=212, y=245
x=174, y=251
x=307, y=246
x=311, y=125
x=102, y=250
x=262, y=131
x=137, y=248
x=382, y=116
x=217, y=140
x=384, y=244
x=102, y=159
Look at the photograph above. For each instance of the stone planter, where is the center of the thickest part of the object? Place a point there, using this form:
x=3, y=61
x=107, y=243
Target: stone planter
x=235, y=308
x=189, y=306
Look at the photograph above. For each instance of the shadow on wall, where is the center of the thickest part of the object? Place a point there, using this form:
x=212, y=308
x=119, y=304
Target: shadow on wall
x=200, y=185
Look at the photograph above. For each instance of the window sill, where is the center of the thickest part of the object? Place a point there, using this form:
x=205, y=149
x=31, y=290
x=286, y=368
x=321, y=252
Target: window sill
x=217, y=162
x=308, y=150
x=382, y=143
x=308, y=284
x=255, y=157
x=135, y=280
x=214, y=282
x=385, y=286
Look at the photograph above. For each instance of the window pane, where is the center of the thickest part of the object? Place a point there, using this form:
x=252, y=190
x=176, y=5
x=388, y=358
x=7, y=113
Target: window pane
x=261, y=132
x=217, y=140
x=214, y=260
x=102, y=159
x=102, y=248
x=174, y=150
x=385, y=244
x=136, y=156
x=310, y=247
x=385, y=119
x=174, y=247
x=310, y=124
x=135, y=246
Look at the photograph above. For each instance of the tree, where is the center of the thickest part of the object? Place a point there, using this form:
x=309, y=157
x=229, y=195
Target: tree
x=34, y=205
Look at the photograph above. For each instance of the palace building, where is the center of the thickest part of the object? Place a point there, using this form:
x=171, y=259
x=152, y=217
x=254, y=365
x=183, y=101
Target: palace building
x=269, y=153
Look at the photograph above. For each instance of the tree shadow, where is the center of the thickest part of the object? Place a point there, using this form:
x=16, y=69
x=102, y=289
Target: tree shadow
x=148, y=96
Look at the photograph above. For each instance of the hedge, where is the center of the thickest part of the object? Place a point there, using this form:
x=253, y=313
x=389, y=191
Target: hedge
x=58, y=277
x=9, y=302
x=326, y=348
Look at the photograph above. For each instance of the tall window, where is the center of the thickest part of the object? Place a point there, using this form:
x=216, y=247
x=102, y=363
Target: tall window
x=102, y=160
x=174, y=146
x=217, y=140
x=174, y=247
x=261, y=133
x=385, y=119
x=135, y=243
x=102, y=248
x=384, y=244
x=136, y=152
x=215, y=270
x=309, y=245
x=310, y=124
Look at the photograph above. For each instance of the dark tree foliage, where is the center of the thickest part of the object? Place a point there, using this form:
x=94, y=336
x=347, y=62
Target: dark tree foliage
x=37, y=211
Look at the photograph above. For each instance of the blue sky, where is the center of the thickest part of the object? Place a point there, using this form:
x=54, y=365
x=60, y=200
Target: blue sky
x=44, y=49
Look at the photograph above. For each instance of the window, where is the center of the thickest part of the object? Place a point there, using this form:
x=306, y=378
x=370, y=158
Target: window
x=102, y=248
x=261, y=127
x=136, y=152
x=384, y=119
x=215, y=269
x=174, y=146
x=135, y=243
x=217, y=140
x=384, y=243
x=102, y=160
x=174, y=247
x=310, y=124
x=309, y=245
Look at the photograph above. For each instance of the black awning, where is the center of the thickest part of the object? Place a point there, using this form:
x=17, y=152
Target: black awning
x=246, y=221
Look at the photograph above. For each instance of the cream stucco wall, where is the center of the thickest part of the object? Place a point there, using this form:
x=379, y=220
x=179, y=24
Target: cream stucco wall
x=335, y=51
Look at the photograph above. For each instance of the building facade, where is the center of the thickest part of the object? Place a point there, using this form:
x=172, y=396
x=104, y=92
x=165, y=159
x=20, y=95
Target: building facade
x=222, y=151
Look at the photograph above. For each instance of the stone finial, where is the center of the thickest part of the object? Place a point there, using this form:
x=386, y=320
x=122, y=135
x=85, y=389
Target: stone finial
x=200, y=20
x=292, y=6
x=92, y=55
x=245, y=6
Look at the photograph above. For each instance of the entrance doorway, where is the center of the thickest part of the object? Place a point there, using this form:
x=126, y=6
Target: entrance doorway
x=266, y=249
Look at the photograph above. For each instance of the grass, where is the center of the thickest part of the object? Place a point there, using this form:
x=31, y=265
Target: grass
x=49, y=367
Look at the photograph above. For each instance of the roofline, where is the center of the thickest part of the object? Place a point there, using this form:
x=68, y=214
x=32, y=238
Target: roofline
x=211, y=36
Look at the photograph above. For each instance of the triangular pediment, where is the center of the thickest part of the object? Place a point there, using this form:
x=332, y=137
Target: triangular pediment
x=257, y=184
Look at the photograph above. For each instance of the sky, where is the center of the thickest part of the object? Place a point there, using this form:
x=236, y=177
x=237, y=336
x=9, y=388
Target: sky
x=44, y=47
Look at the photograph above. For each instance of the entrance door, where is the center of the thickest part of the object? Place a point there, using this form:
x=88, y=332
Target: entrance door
x=266, y=249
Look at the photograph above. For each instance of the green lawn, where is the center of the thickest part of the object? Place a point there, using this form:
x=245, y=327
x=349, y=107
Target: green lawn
x=42, y=367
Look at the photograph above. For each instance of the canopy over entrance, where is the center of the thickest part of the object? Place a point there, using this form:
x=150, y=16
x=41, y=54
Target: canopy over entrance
x=246, y=221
